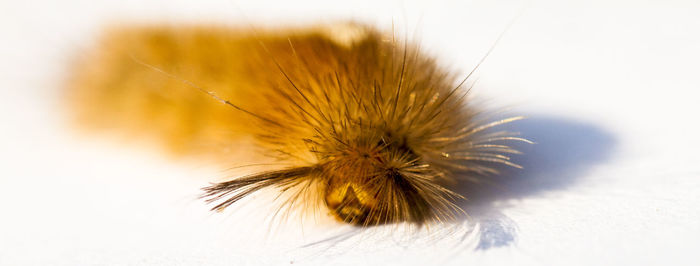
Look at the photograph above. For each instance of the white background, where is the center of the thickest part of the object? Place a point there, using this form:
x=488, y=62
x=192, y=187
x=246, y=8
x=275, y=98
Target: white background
x=611, y=89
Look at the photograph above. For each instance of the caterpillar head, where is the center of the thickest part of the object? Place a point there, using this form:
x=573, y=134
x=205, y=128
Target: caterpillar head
x=366, y=181
x=378, y=180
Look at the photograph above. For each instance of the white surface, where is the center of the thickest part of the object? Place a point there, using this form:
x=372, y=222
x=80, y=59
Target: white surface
x=611, y=88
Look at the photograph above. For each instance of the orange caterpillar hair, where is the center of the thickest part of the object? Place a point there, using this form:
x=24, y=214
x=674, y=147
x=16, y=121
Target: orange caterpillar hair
x=374, y=129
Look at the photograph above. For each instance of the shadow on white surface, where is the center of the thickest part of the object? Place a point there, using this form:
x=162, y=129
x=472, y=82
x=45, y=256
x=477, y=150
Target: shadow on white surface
x=563, y=153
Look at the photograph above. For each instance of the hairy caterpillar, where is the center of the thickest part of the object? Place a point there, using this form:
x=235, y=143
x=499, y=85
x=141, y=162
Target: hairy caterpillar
x=371, y=127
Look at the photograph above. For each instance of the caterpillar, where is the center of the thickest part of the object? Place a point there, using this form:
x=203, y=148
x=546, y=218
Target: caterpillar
x=369, y=126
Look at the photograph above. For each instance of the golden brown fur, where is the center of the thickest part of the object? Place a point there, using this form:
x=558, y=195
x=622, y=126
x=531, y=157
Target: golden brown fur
x=374, y=127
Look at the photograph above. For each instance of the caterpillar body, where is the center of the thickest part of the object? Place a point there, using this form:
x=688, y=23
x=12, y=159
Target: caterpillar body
x=370, y=126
